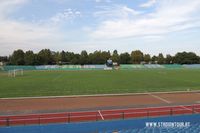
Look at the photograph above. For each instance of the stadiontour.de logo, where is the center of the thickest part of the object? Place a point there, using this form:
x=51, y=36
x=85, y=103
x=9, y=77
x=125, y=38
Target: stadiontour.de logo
x=167, y=124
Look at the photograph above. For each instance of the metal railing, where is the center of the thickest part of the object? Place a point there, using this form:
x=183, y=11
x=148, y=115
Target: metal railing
x=96, y=115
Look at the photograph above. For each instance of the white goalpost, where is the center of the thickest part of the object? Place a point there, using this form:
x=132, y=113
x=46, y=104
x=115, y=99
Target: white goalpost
x=15, y=72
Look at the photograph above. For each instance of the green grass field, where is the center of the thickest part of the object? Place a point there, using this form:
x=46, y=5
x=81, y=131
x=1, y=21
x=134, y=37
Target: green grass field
x=54, y=83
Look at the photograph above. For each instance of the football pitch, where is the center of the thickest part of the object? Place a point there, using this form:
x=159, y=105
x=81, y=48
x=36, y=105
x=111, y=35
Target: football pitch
x=60, y=83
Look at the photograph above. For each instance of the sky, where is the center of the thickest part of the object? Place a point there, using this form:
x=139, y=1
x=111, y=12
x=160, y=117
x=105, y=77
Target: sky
x=152, y=26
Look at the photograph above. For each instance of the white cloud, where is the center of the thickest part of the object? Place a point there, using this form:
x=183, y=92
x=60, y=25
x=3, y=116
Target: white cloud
x=107, y=1
x=148, y=4
x=68, y=14
x=170, y=16
x=126, y=27
x=24, y=35
x=7, y=6
x=116, y=12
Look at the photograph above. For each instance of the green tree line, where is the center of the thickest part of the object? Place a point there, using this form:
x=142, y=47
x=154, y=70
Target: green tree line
x=48, y=57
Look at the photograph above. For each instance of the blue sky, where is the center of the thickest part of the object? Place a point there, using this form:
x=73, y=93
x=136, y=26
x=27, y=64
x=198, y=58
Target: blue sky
x=153, y=26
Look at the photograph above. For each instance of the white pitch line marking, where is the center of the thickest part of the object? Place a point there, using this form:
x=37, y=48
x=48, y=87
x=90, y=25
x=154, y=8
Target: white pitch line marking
x=160, y=98
x=57, y=77
x=101, y=115
x=98, y=95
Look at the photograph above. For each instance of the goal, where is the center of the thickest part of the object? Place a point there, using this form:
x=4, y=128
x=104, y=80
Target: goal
x=15, y=72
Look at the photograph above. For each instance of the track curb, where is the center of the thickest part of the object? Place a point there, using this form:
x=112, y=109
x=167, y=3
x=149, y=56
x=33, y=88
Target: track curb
x=99, y=95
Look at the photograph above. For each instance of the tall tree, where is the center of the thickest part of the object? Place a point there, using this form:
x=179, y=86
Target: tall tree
x=48, y=57
x=69, y=57
x=45, y=57
x=17, y=57
x=136, y=56
x=76, y=59
x=147, y=58
x=105, y=56
x=154, y=59
x=186, y=58
x=84, y=57
x=98, y=57
x=56, y=57
x=125, y=58
x=29, y=58
x=63, y=57
x=3, y=59
x=161, y=59
x=115, y=56
x=169, y=59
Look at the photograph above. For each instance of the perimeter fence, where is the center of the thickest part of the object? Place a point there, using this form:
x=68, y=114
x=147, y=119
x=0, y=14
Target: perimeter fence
x=100, y=67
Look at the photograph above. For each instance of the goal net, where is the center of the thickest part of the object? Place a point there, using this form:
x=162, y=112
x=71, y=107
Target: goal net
x=15, y=72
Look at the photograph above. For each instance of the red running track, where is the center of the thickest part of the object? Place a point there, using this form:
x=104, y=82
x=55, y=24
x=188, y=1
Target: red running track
x=68, y=117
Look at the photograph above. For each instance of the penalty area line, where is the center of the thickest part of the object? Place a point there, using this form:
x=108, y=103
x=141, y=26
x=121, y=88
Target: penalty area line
x=100, y=114
x=57, y=77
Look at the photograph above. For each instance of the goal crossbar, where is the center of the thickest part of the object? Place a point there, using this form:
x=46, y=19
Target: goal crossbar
x=15, y=72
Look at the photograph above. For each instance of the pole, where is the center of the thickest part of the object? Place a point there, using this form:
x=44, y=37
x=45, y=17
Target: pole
x=148, y=113
x=7, y=122
x=69, y=118
x=193, y=111
x=171, y=111
x=39, y=121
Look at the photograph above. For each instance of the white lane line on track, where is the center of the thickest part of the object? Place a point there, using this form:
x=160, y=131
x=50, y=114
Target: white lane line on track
x=160, y=98
x=100, y=114
x=187, y=108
